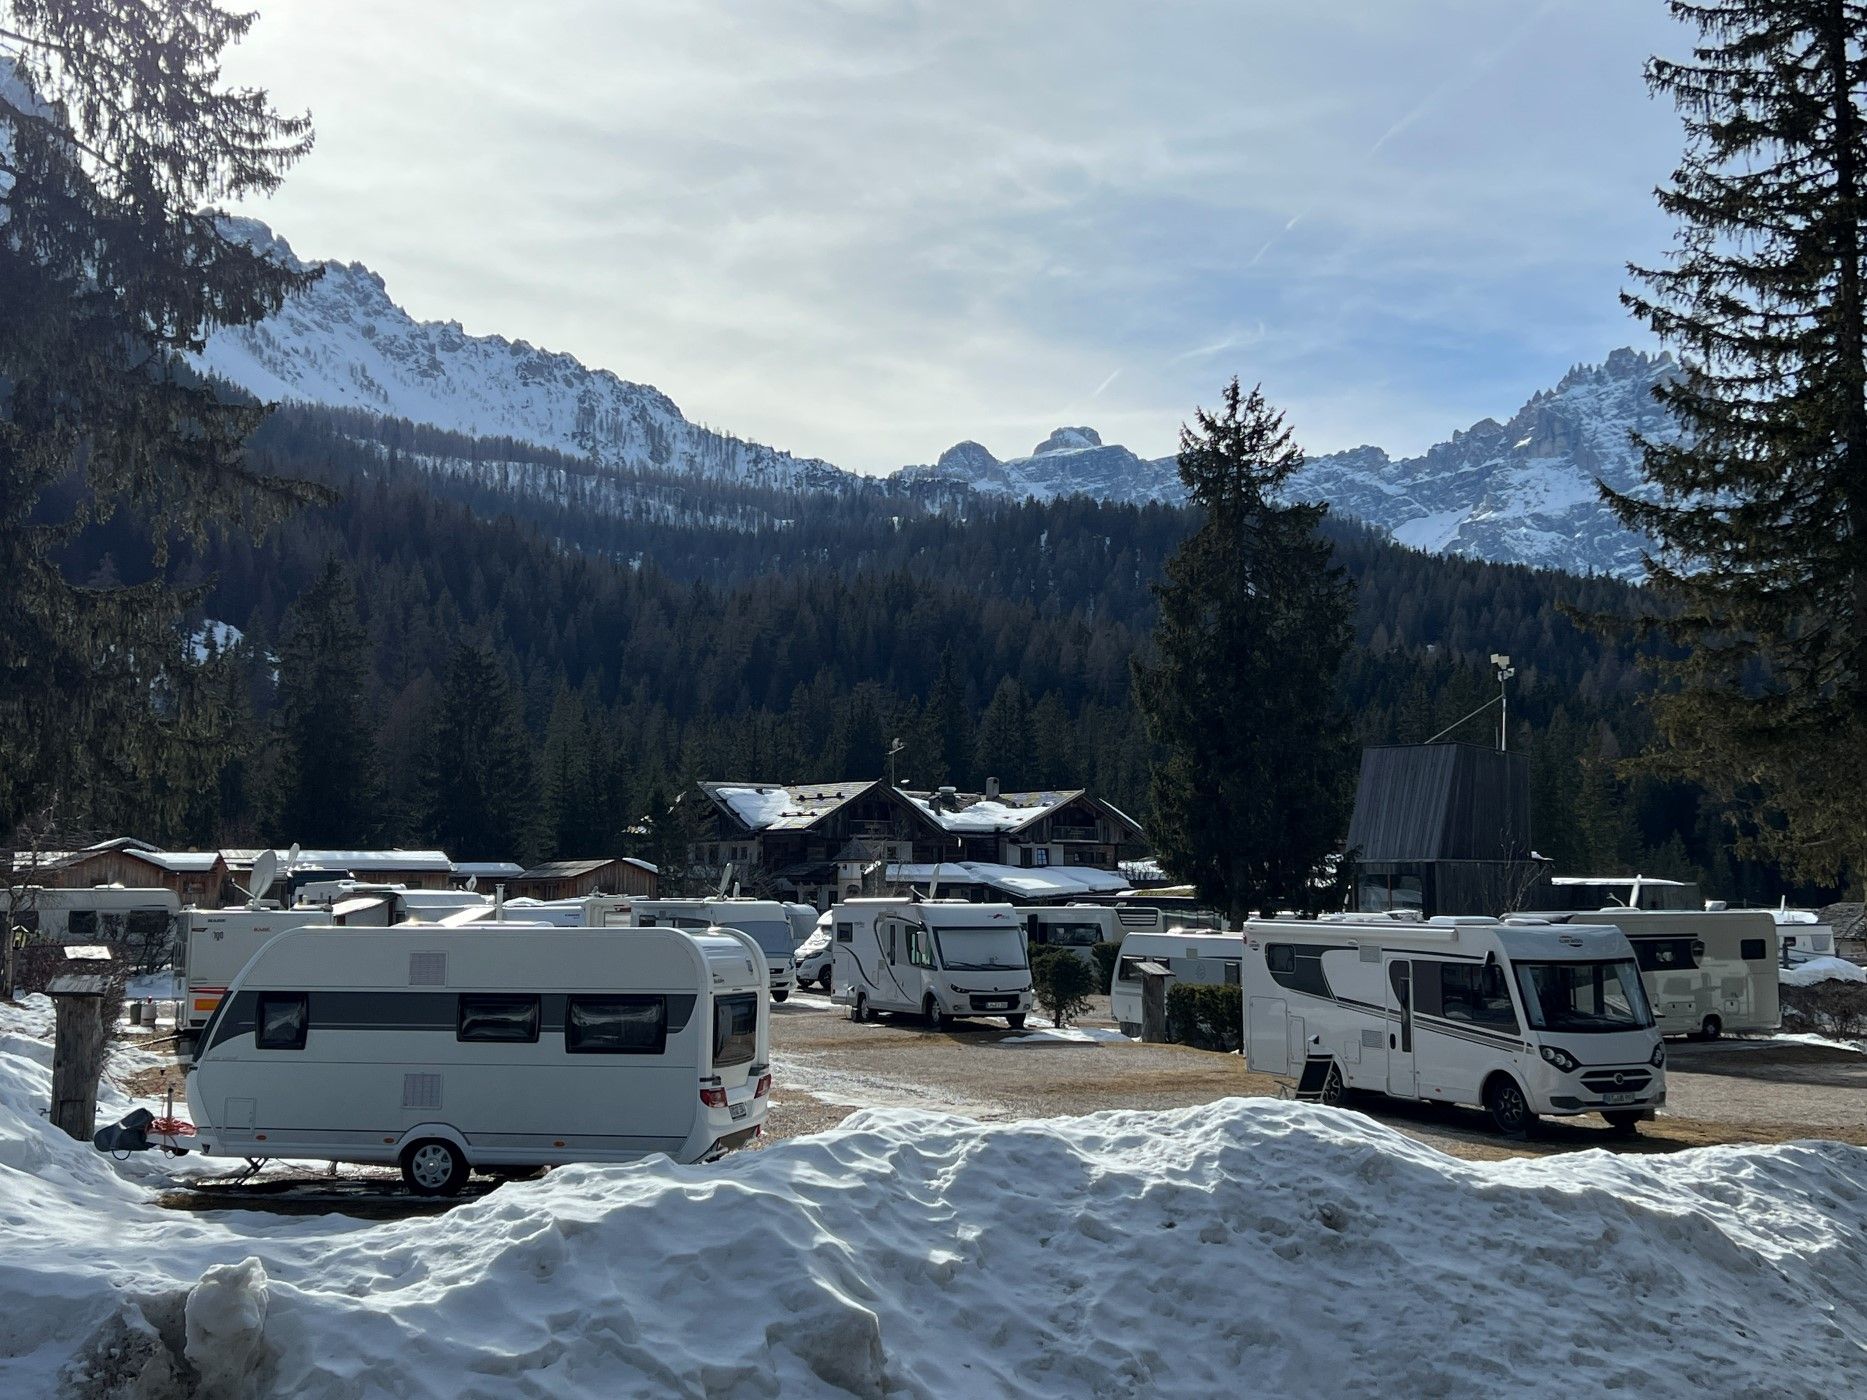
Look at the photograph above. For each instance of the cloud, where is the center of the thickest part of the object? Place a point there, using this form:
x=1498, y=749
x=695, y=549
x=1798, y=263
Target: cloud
x=869, y=229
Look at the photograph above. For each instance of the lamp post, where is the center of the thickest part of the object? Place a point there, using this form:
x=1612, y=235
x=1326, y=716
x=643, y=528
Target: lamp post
x=1504, y=672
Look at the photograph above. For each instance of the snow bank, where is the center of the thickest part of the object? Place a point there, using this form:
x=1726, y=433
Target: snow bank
x=1821, y=970
x=1243, y=1247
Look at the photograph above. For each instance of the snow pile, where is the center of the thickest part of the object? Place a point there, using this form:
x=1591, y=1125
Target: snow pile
x=1817, y=970
x=1260, y=1246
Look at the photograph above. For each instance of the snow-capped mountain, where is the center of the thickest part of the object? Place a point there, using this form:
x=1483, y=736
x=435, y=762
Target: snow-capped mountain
x=1522, y=491
x=343, y=343
x=1070, y=462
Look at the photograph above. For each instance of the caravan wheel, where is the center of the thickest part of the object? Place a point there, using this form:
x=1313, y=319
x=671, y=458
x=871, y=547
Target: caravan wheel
x=434, y=1167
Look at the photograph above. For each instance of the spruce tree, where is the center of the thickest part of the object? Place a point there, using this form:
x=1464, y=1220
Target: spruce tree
x=480, y=780
x=115, y=130
x=1760, y=508
x=327, y=761
x=1005, y=747
x=1250, y=783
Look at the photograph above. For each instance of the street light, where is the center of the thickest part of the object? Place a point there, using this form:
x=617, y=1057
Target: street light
x=1504, y=672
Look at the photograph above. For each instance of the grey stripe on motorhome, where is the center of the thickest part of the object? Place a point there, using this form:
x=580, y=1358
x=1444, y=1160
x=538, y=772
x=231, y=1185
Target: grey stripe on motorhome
x=395, y=1010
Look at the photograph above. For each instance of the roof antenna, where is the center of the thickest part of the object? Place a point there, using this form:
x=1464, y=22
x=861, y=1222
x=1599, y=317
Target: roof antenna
x=725, y=875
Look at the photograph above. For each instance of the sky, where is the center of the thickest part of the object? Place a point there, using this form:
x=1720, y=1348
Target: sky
x=865, y=230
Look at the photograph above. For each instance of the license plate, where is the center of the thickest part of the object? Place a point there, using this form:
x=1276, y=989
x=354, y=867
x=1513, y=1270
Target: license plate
x=998, y=1006
x=738, y=1110
x=1617, y=1098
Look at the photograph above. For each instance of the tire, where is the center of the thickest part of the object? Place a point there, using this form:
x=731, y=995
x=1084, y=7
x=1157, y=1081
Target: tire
x=824, y=982
x=936, y=1018
x=1712, y=1029
x=1333, y=1089
x=1509, y=1109
x=780, y=996
x=1015, y=1020
x=1624, y=1123
x=434, y=1167
x=859, y=1008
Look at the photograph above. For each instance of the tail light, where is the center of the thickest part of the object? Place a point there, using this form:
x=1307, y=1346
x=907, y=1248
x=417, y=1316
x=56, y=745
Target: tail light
x=763, y=1088
x=713, y=1098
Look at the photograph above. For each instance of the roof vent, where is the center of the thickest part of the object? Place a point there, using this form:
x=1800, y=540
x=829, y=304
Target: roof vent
x=991, y=789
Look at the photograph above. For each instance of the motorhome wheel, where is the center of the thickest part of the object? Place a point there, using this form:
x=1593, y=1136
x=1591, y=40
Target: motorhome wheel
x=1509, y=1110
x=780, y=996
x=859, y=1008
x=936, y=1018
x=1713, y=1028
x=1015, y=1020
x=434, y=1167
x=824, y=981
x=1333, y=1090
x=1624, y=1123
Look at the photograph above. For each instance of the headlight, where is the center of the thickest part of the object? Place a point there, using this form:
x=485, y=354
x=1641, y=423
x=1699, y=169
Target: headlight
x=1561, y=1059
x=1658, y=1058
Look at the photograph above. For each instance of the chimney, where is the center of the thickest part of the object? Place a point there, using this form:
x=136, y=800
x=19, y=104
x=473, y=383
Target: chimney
x=991, y=789
x=947, y=799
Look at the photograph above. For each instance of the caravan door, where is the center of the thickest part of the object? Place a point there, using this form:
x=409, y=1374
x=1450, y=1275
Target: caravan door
x=1400, y=1076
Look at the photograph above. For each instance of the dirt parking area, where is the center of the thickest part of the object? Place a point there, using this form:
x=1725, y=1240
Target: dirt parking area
x=826, y=1066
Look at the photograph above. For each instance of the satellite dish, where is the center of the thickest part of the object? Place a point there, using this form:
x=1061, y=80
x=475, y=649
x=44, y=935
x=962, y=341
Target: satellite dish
x=265, y=871
x=473, y=883
x=291, y=857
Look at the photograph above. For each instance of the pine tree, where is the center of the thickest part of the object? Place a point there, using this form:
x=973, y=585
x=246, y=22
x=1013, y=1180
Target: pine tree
x=1761, y=507
x=327, y=766
x=950, y=724
x=115, y=131
x=1250, y=784
x=1005, y=747
x=479, y=777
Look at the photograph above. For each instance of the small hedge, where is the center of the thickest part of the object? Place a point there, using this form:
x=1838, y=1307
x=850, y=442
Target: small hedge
x=1827, y=1008
x=1205, y=1016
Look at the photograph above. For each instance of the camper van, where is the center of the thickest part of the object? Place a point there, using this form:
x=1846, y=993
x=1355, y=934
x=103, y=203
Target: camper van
x=506, y=1046
x=765, y=919
x=1191, y=955
x=1520, y=1018
x=1708, y=973
x=942, y=958
x=141, y=918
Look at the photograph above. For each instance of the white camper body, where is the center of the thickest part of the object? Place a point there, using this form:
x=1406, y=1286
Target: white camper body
x=766, y=920
x=1191, y=955
x=1518, y=1017
x=1582, y=893
x=1081, y=926
x=1803, y=935
x=92, y=913
x=1707, y=972
x=941, y=958
x=514, y=1045
x=586, y=911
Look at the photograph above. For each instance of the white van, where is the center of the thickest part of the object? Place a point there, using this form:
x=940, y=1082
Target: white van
x=941, y=957
x=494, y=1046
x=1191, y=955
x=1707, y=973
x=1519, y=1017
x=765, y=919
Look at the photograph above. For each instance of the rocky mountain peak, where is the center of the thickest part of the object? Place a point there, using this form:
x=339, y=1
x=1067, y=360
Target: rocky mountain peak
x=1068, y=440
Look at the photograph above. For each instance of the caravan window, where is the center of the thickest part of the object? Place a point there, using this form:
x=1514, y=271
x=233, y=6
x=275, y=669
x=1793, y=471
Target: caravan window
x=142, y=923
x=616, y=1025
x=81, y=921
x=735, y=1029
x=281, y=1021
x=1668, y=954
x=1071, y=935
x=1126, y=970
x=511, y=1019
x=1476, y=992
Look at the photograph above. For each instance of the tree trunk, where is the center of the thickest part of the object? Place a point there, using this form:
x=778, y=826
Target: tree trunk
x=77, y=1063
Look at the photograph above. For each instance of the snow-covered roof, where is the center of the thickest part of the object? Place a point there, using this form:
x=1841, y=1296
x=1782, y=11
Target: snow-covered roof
x=640, y=864
x=438, y=861
x=977, y=814
x=176, y=862
x=487, y=869
x=1027, y=882
x=781, y=806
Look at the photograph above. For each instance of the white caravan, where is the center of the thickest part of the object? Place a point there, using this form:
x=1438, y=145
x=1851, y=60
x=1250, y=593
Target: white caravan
x=1582, y=893
x=1803, y=935
x=765, y=919
x=1519, y=1017
x=1082, y=926
x=1191, y=955
x=585, y=911
x=93, y=913
x=506, y=1047
x=1707, y=973
x=941, y=957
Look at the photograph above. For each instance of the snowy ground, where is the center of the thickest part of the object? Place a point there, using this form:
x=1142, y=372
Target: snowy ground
x=1245, y=1247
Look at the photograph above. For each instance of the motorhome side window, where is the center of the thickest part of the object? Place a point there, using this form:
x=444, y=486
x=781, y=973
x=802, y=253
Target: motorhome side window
x=735, y=1029
x=1751, y=950
x=281, y=1021
x=920, y=948
x=845, y=933
x=1128, y=970
x=511, y=1019
x=1280, y=957
x=1298, y=967
x=616, y=1025
x=1475, y=992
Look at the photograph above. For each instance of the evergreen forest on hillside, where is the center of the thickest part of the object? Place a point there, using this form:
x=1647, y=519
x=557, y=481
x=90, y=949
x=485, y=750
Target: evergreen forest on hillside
x=512, y=675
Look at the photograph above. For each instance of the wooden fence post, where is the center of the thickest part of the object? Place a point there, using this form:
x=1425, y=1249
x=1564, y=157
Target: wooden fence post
x=78, y=1048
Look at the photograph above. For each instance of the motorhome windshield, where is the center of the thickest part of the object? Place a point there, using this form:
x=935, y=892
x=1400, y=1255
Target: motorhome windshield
x=1584, y=996
x=979, y=949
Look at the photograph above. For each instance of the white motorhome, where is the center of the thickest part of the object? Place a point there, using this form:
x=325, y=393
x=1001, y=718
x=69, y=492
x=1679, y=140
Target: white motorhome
x=1708, y=972
x=1191, y=955
x=1519, y=1017
x=765, y=919
x=942, y=958
x=505, y=1046
x=94, y=913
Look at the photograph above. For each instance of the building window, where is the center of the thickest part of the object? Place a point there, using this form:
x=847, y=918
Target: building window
x=1041, y=855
